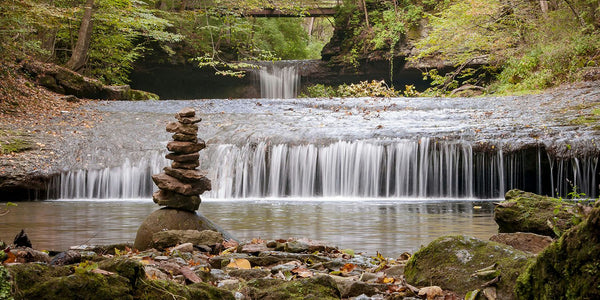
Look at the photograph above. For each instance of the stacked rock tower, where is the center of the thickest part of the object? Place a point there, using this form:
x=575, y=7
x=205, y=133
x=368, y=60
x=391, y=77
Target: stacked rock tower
x=181, y=184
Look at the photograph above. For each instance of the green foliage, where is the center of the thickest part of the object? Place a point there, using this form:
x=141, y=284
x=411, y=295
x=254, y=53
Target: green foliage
x=5, y=288
x=85, y=267
x=362, y=89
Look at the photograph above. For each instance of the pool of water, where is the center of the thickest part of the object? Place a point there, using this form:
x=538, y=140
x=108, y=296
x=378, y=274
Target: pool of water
x=367, y=225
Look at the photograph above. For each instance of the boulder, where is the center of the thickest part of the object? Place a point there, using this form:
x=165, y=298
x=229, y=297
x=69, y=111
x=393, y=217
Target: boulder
x=185, y=147
x=528, y=212
x=569, y=268
x=176, y=127
x=170, y=238
x=463, y=264
x=171, y=184
x=131, y=269
x=175, y=200
x=172, y=219
x=524, y=241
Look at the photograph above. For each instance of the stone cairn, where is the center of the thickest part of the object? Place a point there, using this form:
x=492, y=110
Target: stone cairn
x=181, y=184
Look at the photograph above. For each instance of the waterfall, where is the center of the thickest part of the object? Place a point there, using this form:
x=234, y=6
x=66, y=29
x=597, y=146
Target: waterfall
x=420, y=168
x=277, y=82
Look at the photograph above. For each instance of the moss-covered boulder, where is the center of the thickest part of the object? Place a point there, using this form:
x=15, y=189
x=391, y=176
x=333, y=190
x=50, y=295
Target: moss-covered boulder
x=568, y=268
x=317, y=287
x=463, y=264
x=131, y=269
x=159, y=289
x=528, y=212
x=5, y=289
x=40, y=281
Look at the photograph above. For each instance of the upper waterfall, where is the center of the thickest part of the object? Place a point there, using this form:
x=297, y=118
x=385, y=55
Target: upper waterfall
x=279, y=81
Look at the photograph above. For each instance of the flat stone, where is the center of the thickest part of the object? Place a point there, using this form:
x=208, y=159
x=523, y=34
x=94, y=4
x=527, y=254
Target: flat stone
x=185, y=165
x=176, y=127
x=186, y=112
x=168, y=183
x=188, y=120
x=254, y=248
x=175, y=200
x=185, y=247
x=185, y=137
x=183, y=157
x=188, y=176
x=185, y=147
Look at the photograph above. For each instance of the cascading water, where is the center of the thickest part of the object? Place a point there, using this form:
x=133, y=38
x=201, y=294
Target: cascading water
x=279, y=82
x=421, y=168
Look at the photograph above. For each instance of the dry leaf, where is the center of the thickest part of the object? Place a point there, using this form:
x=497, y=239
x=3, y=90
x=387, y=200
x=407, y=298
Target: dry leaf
x=239, y=263
x=347, y=268
x=388, y=280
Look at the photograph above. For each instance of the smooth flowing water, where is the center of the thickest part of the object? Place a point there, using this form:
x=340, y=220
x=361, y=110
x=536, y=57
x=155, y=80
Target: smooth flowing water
x=391, y=227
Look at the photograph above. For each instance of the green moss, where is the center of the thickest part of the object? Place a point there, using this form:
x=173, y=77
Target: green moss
x=456, y=263
x=317, y=287
x=568, y=268
x=13, y=142
x=131, y=269
x=81, y=286
x=5, y=289
x=26, y=276
x=528, y=212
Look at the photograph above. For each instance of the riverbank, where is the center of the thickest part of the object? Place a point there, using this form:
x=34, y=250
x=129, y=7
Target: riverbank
x=202, y=265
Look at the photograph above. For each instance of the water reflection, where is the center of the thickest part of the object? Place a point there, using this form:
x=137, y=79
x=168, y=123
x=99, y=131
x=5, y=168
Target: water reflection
x=390, y=227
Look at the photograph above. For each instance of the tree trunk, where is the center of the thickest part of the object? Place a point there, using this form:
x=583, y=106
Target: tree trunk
x=544, y=6
x=183, y=5
x=79, y=55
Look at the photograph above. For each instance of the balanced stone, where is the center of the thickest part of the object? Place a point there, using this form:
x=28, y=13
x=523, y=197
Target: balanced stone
x=185, y=147
x=168, y=183
x=189, y=165
x=185, y=137
x=176, y=127
x=183, y=157
x=186, y=112
x=175, y=200
x=188, y=120
x=188, y=176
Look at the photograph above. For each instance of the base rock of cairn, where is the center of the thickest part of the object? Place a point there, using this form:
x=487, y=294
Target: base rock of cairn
x=180, y=185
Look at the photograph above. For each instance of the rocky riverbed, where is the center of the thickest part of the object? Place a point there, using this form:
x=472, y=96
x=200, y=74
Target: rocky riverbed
x=191, y=264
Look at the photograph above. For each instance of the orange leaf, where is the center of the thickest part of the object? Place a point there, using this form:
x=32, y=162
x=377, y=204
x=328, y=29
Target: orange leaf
x=348, y=268
x=239, y=263
x=11, y=258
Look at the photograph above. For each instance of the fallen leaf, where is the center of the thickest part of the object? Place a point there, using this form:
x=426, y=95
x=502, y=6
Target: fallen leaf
x=347, y=268
x=239, y=263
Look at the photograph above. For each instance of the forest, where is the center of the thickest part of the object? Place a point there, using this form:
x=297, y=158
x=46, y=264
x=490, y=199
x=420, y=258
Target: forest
x=507, y=45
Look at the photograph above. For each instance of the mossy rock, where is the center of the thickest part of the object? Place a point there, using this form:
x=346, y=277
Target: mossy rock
x=453, y=262
x=317, y=287
x=159, y=289
x=136, y=95
x=38, y=281
x=5, y=288
x=131, y=269
x=528, y=212
x=568, y=268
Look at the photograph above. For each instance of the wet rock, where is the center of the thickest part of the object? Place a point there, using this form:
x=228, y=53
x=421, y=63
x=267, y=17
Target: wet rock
x=66, y=258
x=176, y=127
x=524, y=241
x=186, y=147
x=22, y=240
x=463, y=264
x=172, y=219
x=170, y=238
x=569, y=268
x=176, y=200
x=317, y=287
x=171, y=184
x=528, y=212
